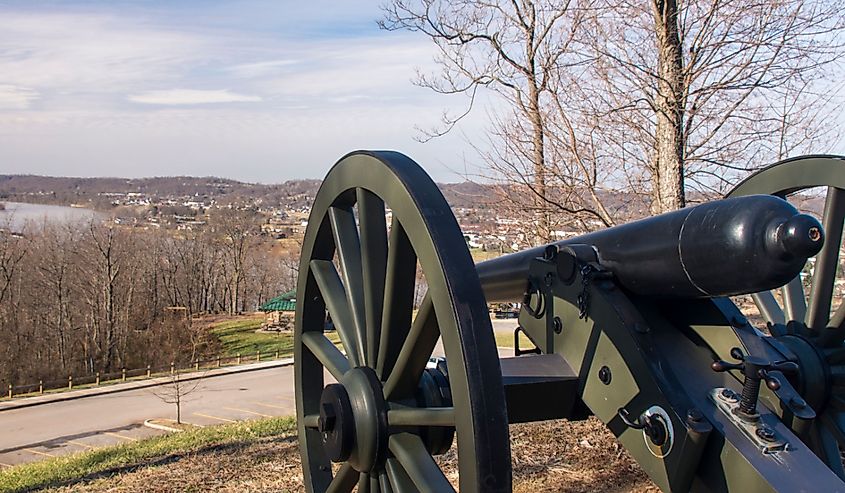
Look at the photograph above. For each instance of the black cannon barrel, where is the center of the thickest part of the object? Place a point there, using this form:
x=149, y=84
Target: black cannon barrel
x=721, y=248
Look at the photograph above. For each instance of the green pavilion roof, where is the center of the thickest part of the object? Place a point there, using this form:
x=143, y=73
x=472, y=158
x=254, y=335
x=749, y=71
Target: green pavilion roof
x=282, y=303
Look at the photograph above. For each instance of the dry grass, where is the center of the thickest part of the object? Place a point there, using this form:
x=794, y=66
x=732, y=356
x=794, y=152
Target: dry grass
x=554, y=456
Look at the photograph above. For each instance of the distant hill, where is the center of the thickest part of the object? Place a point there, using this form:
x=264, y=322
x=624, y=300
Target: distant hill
x=99, y=193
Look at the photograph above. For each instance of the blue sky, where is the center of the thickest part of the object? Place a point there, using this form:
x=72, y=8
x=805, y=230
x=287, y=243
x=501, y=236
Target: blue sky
x=254, y=90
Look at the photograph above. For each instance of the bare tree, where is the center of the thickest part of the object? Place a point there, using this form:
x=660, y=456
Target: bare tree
x=712, y=89
x=653, y=97
x=176, y=390
x=515, y=49
x=237, y=231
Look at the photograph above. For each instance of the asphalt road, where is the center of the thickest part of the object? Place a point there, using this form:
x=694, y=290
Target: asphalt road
x=60, y=428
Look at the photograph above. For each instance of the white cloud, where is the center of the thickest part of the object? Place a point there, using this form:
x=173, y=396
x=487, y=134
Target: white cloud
x=92, y=52
x=260, y=69
x=95, y=75
x=191, y=96
x=15, y=97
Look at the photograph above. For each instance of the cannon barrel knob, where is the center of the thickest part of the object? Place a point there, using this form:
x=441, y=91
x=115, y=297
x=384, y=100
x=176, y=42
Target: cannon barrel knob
x=799, y=236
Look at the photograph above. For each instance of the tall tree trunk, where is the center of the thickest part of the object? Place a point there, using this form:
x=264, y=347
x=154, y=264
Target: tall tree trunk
x=668, y=168
x=538, y=160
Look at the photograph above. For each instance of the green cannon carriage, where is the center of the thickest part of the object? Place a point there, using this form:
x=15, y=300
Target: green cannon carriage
x=632, y=324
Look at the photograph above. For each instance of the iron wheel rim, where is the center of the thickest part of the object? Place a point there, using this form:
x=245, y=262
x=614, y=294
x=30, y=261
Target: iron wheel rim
x=423, y=227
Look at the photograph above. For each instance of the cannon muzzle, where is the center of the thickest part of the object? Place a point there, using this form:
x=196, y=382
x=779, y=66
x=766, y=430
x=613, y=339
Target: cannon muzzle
x=721, y=248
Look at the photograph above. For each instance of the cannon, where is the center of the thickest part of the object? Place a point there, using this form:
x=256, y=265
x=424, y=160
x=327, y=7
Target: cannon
x=633, y=324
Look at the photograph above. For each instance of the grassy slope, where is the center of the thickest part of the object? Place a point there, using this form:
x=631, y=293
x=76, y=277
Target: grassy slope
x=62, y=470
x=239, y=336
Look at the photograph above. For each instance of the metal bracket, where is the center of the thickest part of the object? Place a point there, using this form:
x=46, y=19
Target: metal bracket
x=517, y=351
x=762, y=435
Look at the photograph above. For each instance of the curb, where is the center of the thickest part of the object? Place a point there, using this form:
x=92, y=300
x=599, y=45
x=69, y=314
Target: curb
x=143, y=384
x=149, y=424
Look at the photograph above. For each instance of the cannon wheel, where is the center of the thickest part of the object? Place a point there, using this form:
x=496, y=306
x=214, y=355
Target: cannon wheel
x=388, y=415
x=803, y=320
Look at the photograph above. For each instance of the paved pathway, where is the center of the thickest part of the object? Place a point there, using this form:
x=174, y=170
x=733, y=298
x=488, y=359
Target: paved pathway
x=58, y=428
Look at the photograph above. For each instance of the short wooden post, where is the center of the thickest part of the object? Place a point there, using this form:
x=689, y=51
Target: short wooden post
x=218, y=361
x=172, y=368
x=123, y=374
x=239, y=358
x=257, y=356
x=41, y=386
x=70, y=382
x=196, y=364
x=10, y=391
x=148, y=371
x=277, y=355
x=97, y=381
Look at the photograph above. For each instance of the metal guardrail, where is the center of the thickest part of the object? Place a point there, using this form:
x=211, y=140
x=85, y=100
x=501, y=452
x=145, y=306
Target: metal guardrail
x=108, y=378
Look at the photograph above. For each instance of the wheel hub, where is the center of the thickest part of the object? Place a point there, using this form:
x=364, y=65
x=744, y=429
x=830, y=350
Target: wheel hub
x=813, y=380
x=353, y=420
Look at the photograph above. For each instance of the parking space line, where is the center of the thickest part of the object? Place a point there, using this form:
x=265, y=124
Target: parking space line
x=247, y=411
x=120, y=436
x=269, y=405
x=33, y=451
x=215, y=417
x=80, y=444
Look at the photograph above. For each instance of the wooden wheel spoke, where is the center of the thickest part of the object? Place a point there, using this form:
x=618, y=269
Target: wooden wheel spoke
x=421, y=416
x=794, y=303
x=348, y=246
x=400, y=279
x=769, y=307
x=827, y=260
x=373, y=265
x=396, y=477
x=326, y=353
x=411, y=453
x=414, y=354
x=364, y=483
x=331, y=287
x=384, y=483
x=345, y=479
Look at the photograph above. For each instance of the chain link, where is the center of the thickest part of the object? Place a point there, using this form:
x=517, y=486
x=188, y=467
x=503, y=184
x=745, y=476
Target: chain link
x=587, y=271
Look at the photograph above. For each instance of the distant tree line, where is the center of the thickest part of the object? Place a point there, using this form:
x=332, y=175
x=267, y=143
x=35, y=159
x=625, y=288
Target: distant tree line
x=81, y=298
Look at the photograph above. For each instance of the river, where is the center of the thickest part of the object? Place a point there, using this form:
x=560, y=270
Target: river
x=17, y=215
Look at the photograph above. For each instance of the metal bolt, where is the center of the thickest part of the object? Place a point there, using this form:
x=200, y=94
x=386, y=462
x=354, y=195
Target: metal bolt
x=766, y=433
x=604, y=375
x=729, y=395
x=549, y=279
x=558, y=325
x=797, y=402
x=694, y=416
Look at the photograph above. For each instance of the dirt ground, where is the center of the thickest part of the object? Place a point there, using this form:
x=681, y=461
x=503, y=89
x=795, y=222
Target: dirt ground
x=553, y=456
